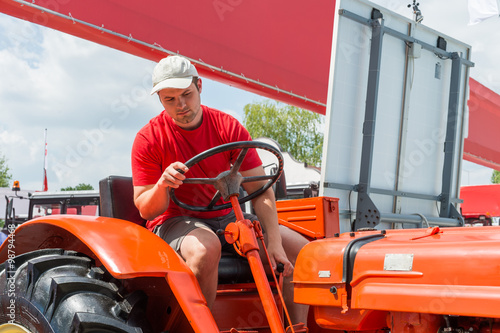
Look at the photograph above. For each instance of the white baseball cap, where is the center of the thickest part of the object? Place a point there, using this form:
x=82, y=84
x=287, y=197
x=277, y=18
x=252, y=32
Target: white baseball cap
x=173, y=72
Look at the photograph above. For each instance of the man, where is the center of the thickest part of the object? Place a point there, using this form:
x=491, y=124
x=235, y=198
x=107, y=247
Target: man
x=184, y=129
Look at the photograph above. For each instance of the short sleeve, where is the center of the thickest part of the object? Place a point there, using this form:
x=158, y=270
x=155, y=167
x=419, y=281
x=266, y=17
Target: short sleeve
x=146, y=162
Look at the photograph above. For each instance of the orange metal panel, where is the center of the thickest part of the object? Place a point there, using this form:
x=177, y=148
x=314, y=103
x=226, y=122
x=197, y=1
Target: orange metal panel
x=414, y=322
x=193, y=303
x=248, y=314
x=316, y=217
x=440, y=298
x=318, y=268
x=450, y=271
x=354, y=320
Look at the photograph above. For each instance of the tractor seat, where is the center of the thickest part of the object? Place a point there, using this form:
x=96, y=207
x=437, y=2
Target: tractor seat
x=117, y=200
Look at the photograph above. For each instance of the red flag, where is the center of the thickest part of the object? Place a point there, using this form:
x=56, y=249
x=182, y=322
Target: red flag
x=45, y=183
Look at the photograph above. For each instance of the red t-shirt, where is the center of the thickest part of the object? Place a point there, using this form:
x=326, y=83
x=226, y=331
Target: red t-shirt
x=161, y=142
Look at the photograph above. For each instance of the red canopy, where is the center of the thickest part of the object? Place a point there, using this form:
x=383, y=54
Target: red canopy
x=278, y=49
x=483, y=144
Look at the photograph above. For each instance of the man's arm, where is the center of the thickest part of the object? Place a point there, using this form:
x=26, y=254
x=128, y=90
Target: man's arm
x=152, y=200
x=265, y=208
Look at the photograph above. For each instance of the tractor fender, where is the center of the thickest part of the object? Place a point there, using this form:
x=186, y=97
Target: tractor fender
x=126, y=249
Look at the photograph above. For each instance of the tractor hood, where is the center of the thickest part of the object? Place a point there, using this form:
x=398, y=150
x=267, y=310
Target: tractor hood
x=452, y=271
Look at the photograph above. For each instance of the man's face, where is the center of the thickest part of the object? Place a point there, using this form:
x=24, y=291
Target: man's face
x=183, y=105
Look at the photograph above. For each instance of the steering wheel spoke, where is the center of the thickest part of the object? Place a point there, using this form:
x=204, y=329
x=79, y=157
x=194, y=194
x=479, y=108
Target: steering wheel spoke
x=208, y=181
x=214, y=200
x=241, y=157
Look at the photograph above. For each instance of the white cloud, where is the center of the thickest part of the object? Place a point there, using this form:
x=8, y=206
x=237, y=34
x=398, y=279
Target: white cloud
x=92, y=99
x=10, y=138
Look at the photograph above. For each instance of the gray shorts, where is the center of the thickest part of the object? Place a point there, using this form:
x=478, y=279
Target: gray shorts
x=175, y=229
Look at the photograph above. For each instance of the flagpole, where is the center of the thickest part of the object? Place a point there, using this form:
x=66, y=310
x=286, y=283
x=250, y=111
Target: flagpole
x=45, y=184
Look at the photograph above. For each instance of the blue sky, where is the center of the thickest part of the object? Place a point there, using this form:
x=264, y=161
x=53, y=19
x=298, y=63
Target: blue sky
x=93, y=99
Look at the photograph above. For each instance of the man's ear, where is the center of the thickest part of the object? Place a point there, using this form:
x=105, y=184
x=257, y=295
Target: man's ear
x=199, y=84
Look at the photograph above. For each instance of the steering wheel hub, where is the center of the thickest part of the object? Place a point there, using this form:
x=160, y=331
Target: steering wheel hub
x=228, y=183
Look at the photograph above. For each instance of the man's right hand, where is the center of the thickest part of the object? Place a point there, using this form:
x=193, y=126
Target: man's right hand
x=152, y=200
x=173, y=175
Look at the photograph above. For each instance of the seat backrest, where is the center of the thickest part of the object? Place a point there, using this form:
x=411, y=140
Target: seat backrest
x=117, y=199
x=280, y=187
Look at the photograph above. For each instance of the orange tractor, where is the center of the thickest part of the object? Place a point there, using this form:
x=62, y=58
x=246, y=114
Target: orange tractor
x=387, y=251
x=103, y=274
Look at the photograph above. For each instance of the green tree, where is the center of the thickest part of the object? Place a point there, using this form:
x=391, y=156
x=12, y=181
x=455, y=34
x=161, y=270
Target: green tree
x=5, y=176
x=79, y=187
x=296, y=130
x=495, y=177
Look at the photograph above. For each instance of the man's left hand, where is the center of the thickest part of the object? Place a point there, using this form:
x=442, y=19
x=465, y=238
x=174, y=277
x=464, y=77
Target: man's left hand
x=277, y=255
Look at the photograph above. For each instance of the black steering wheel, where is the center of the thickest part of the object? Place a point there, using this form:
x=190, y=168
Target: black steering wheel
x=228, y=183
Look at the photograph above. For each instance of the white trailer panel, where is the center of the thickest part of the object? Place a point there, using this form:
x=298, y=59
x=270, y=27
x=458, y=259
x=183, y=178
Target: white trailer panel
x=396, y=119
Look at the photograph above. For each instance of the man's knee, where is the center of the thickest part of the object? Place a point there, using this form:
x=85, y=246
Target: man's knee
x=201, y=245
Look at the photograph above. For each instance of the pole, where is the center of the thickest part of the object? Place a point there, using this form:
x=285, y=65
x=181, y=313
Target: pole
x=45, y=183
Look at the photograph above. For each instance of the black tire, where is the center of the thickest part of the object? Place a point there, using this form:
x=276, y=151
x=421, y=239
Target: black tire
x=57, y=291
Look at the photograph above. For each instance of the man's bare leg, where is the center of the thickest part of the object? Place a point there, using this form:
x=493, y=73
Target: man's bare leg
x=201, y=250
x=293, y=242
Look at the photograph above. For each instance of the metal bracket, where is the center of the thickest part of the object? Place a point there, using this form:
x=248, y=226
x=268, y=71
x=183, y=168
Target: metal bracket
x=455, y=214
x=367, y=214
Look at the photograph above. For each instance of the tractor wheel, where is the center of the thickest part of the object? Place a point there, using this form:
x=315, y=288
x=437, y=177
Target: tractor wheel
x=57, y=291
